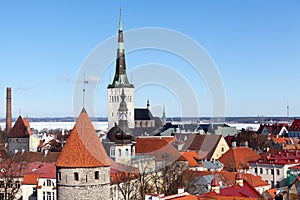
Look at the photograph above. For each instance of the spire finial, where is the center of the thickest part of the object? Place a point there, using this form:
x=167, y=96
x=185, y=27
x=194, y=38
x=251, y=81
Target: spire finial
x=148, y=104
x=120, y=22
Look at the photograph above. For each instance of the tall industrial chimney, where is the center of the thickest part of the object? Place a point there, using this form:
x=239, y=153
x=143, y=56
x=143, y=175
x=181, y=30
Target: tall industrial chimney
x=8, y=109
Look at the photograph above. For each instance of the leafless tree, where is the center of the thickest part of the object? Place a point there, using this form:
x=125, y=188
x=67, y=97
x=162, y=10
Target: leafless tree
x=10, y=173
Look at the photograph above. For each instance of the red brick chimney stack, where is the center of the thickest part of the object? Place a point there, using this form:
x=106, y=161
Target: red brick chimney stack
x=8, y=109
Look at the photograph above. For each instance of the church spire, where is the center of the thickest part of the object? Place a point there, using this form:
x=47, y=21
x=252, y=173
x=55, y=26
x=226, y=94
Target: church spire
x=120, y=78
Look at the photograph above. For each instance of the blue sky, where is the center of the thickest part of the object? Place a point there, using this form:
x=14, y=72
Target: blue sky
x=254, y=44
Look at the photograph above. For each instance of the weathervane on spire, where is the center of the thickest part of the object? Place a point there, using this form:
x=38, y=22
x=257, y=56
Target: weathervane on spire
x=83, y=90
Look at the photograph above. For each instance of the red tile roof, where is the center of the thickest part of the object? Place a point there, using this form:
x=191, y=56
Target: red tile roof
x=47, y=170
x=157, y=147
x=229, y=178
x=295, y=125
x=192, y=158
x=281, y=140
x=120, y=172
x=19, y=130
x=83, y=148
x=182, y=196
x=31, y=179
x=26, y=122
x=280, y=158
x=236, y=191
x=237, y=158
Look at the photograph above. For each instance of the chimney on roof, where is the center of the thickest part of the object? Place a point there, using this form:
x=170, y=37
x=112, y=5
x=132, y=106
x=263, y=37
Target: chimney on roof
x=215, y=185
x=239, y=179
x=8, y=109
x=46, y=152
x=233, y=144
x=180, y=190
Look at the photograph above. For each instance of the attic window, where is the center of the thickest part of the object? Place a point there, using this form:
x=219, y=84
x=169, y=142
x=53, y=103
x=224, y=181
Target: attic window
x=76, y=176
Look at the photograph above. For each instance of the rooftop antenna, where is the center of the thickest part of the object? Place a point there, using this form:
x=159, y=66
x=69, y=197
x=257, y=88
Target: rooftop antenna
x=288, y=111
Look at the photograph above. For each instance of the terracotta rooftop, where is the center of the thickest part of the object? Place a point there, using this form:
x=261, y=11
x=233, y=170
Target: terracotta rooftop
x=19, y=130
x=192, y=158
x=229, y=178
x=157, y=147
x=30, y=179
x=237, y=158
x=281, y=140
x=181, y=196
x=83, y=148
x=26, y=122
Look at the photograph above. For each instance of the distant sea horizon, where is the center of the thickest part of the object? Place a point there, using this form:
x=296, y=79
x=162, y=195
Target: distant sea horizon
x=100, y=123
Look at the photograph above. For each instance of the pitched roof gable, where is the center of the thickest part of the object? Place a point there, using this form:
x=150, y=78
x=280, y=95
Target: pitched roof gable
x=19, y=130
x=202, y=143
x=295, y=125
x=142, y=114
x=83, y=148
x=192, y=158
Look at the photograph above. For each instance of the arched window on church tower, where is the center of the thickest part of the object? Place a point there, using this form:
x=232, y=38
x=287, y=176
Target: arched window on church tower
x=112, y=151
x=119, y=152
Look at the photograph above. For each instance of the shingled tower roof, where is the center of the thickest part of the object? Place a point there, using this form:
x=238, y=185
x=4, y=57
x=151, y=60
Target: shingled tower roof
x=83, y=148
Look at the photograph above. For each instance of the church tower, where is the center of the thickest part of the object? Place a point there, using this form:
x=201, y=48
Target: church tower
x=83, y=167
x=120, y=82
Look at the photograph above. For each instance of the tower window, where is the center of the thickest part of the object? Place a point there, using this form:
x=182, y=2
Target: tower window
x=97, y=175
x=76, y=176
x=86, y=178
x=59, y=176
x=119, y=152
x=112, y=151
x=126, y=152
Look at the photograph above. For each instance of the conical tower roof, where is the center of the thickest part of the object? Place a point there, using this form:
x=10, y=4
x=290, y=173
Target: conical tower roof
x=83, y=148
x=19, y=130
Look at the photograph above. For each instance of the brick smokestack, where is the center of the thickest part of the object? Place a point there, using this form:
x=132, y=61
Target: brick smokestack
x=8, y=109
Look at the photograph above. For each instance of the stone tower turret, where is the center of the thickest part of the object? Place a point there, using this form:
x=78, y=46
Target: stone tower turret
x=83, y=167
